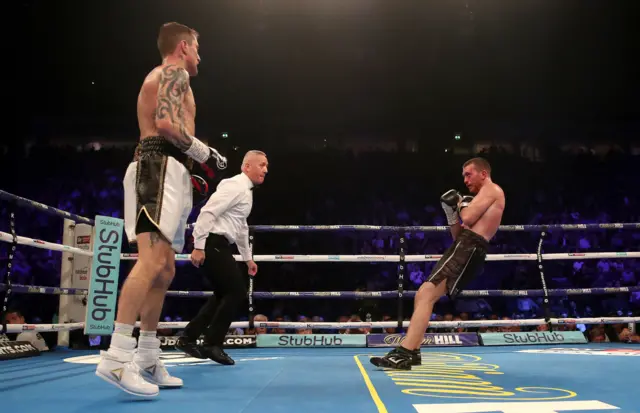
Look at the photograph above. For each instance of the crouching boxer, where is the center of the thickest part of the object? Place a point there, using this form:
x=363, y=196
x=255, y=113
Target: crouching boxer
x=481, y=216
x=158, y=201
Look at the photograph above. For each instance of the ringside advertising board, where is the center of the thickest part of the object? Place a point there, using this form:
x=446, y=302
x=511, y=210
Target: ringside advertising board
x=430, y=339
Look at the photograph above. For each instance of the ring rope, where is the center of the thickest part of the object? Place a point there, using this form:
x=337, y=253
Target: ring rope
x=17, y=328
x=36, y=289
x=36, y=243
x=44, y=208
x=509, y=228
x=418, y=258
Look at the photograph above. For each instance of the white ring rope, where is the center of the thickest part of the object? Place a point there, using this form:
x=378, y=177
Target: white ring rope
x=36, y=243
x=18, y=328
x=6, y=237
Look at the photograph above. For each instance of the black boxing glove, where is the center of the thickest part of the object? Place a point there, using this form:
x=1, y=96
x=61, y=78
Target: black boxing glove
x=449, y=201
x=450, y=198
x=465, y=201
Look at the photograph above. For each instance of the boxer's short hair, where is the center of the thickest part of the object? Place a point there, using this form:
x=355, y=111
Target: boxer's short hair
x=481, y=164
x=173, y=33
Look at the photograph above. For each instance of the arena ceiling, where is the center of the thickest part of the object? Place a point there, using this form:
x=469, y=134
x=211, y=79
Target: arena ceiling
x=273, y=67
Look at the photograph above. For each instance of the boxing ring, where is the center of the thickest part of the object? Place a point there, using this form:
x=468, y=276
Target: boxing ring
x=539, y=372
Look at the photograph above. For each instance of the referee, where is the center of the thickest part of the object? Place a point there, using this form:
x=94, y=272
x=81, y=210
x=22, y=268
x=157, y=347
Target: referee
x=221, y=223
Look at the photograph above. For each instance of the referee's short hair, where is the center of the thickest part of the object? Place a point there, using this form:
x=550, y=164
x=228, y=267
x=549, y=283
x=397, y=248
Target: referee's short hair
x=250, y=154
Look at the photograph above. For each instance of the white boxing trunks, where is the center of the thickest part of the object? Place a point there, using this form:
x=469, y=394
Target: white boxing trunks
x=158, y=185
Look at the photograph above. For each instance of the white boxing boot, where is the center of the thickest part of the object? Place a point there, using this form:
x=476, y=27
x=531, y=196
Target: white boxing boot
x=118, y=368
x=147, y=358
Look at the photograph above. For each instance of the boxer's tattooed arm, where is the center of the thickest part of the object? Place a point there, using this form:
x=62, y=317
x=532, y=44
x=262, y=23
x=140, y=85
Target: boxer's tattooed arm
x=174, y=84
x=185, y=135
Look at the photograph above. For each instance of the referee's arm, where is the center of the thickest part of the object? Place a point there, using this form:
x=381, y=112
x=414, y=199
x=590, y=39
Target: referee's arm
x=226, y=195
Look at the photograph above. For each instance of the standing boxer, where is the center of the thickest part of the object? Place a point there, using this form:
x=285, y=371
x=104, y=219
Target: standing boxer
x=481, y=216
x=221, y=223
x=158, y=200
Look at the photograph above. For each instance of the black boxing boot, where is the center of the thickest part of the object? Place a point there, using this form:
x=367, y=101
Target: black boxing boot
x=399, y=358
x=416, y=357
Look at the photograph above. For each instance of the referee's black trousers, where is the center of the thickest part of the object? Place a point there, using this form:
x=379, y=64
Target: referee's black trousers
x=230, y=291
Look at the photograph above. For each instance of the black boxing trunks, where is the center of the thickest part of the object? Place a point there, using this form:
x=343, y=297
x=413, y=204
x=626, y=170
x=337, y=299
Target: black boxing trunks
x=158, y=195
x=461, y=262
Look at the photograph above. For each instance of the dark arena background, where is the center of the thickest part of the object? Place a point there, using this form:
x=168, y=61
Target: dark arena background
x=367, y=110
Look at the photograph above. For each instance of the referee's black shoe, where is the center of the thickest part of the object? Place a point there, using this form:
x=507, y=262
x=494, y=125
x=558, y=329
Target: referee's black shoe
x=191, y=348
x=399, y=358
x=218, y=355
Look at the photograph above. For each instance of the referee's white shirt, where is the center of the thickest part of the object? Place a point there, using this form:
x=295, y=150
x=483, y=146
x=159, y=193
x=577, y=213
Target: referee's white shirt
x=225, y=213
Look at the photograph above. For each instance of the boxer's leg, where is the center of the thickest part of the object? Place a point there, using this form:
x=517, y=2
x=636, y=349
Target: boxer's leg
x=154, y=257
x=171, y=218
x=408, y=353
x=117, y=364
x=145, y=187
x=152, y=306
x=426, y=297
x=148, y=355
x=448, y=280
x=143, y=184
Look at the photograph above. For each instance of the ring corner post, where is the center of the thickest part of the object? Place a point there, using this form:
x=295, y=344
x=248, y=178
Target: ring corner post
x=75, y=270
x=65, y=301
x=105, y=270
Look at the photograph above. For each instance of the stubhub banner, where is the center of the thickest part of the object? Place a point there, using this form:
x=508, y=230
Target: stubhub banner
x=105, y=270
x=532, y=337
x=311, y=340
x=430, y=339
